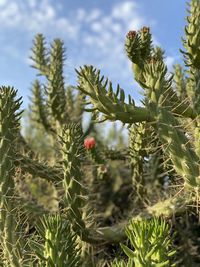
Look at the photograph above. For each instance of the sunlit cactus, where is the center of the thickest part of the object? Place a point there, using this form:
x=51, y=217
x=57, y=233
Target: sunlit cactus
x=70, y=198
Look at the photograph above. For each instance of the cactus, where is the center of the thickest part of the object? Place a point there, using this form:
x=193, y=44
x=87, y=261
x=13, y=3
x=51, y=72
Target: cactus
x=58, y=246
x=81, y=200
x=72, y=147
x=152, y=244
x=11, y=246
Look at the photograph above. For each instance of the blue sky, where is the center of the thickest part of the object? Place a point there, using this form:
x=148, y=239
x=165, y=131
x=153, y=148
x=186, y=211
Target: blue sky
x=93, y=32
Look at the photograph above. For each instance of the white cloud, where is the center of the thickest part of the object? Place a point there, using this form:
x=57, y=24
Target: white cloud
x=35, y=16
x=93, y=15
x=135, y=23
x=81, y=13
x=32, y=3
x=9, y=14
x=95, y=36
x=43, y=16
x=96, y=26
x=124, y=10
x=3, y=2
x=105, y=40
x=170, y=61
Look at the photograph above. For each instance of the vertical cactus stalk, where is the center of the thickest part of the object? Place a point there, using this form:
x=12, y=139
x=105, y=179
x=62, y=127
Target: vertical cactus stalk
x=9, y=127
x=50, y=63
x=192, y=38
x=136, y=142
x=197, y=137
x=59, y=246
x=180, y=82
x=138, y=46
x=40, y=55
x=56, y=86
x=168, y=127
x=72, y=152
x=38, y=108
x=191, y=44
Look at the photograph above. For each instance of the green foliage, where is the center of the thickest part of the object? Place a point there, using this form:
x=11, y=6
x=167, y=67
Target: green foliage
x=57, y=245
x=180, y=83
x=63, y=204
x=72, y=148
x=137, y=148
x=53, y=105
x=151, y=242
x=192, y=38
x=39, y=112
x=111, y=104
x=9, y=120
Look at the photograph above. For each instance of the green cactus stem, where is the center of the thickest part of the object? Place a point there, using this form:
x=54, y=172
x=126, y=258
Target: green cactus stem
x=167, y=125
x=151, y=242
x=38, y=107
x=136, y=147
x=180, y=82
x=72, y=152
x=192, y=39
x=59, y=245
x=165, y=209
x=37, y=168
x=9, y=127
x=40, y=55
x=55, y=88
x=111, y=104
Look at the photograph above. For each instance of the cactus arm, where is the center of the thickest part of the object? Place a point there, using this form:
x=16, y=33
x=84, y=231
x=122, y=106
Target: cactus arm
x=179, y=82
x=136, y=147
x=37, y=168
x=197, y=136
x=79, y=107
x=193, y=90
x=165, y=209
x=72, y=151
x=9, y=127
x=59, y=244
x=184, y=158
x=191, y=43
x=192, y=39
x=38, y=107
x=138, y=46
x=113, y=107
x=70, y=99
x=55, y=88
x=40, y=55
x=133, y=47
x=170, y=133
x=106, y=101
x=50, y=64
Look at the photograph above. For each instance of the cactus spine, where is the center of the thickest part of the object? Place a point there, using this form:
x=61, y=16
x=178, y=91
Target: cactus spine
x=51, y=204
x=9, y=119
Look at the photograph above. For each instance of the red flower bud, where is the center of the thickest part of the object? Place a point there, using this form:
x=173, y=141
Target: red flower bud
x=145, y=29
x=131, y=34
x=152, y=60
x=89, y=142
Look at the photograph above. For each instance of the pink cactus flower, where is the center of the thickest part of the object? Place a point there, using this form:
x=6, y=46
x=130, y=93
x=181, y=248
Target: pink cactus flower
x=89, y=142
x=131, y=34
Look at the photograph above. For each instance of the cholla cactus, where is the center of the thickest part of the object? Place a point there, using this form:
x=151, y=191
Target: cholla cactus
x=151, y=242
x=58, y=245
x=73, y=204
